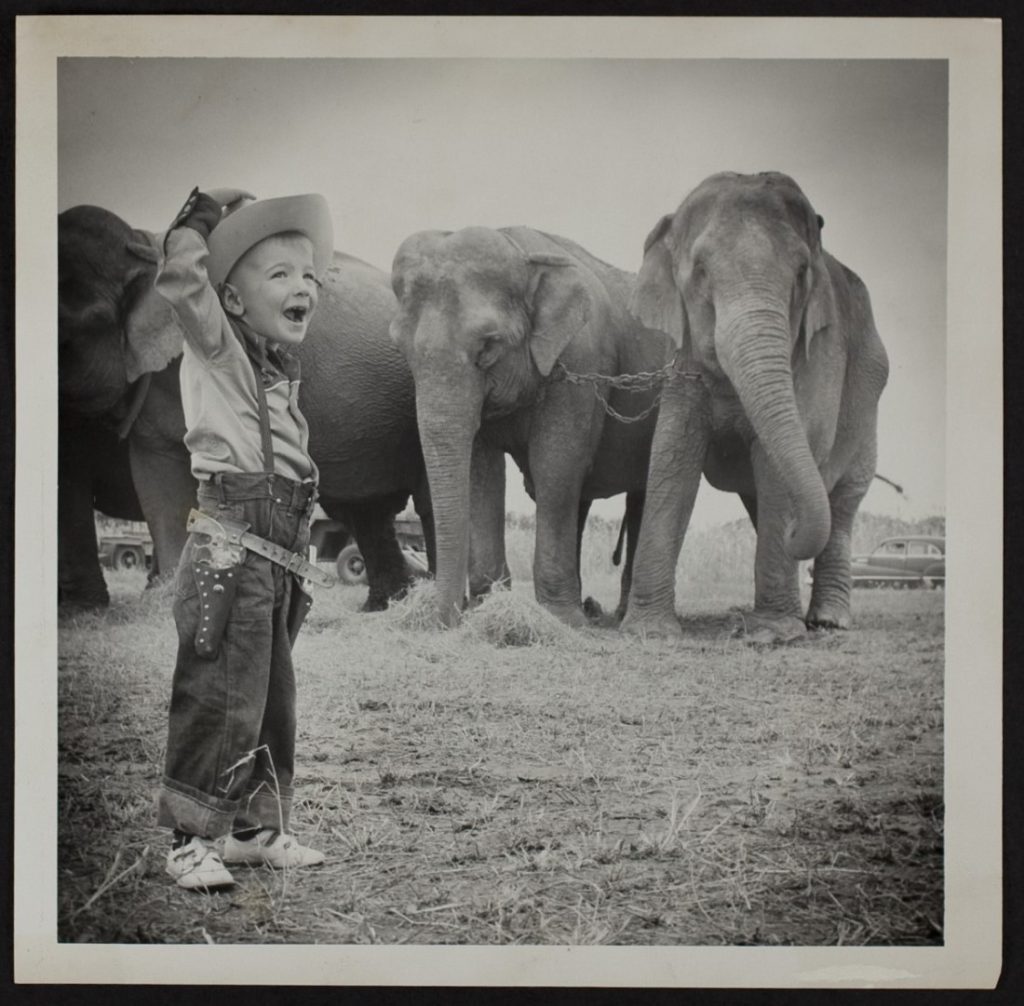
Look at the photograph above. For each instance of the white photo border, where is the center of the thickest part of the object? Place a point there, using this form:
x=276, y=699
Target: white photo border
x=971, y=954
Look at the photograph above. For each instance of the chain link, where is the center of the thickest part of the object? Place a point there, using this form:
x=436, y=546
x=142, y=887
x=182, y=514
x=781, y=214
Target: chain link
x=634, y=383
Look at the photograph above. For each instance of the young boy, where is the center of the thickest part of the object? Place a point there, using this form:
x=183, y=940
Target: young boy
x=244, y=284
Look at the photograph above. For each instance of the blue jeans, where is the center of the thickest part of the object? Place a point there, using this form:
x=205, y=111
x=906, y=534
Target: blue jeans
x=231, y=731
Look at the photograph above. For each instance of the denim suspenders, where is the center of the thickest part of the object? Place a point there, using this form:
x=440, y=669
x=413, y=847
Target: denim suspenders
x=261, y=400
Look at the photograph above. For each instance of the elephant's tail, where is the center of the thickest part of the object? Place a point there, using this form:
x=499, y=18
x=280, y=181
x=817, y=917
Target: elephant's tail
x=617, y=554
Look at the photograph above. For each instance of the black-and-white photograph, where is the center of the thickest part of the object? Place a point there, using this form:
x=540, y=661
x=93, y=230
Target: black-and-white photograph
x=500, y=500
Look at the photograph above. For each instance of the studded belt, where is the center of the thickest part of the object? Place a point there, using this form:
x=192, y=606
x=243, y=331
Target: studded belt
x=228, y=531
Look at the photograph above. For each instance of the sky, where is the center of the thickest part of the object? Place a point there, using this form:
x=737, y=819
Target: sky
x=596, y=150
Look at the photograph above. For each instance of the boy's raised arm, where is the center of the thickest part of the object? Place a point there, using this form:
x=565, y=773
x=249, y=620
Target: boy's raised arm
x=182, y=279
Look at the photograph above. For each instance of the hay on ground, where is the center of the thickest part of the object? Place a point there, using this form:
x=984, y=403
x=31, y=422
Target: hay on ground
x=502, y=618
x=418, y=609
x=508, y=618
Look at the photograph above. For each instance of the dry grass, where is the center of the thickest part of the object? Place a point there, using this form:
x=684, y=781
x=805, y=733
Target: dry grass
x=512, y=781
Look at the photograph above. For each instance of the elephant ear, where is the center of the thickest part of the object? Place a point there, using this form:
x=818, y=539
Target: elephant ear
x=656, y=302
x=559, y=308
x=820, y=311
x=153, y=334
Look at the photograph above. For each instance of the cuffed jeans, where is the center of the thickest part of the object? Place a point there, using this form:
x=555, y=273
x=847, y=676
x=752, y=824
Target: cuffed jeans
x=231, y=732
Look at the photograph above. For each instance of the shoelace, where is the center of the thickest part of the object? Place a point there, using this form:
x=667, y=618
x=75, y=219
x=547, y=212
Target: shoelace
x=189, y=850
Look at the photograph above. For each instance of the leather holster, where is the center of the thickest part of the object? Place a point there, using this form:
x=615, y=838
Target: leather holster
x=217, y=587
x=299, y=603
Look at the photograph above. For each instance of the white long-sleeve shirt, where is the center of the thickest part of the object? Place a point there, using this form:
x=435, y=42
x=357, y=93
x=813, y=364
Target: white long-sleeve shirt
x=218, y=384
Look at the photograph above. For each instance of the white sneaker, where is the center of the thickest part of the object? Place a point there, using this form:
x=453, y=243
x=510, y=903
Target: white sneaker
x=196, y=864
x=270, y=848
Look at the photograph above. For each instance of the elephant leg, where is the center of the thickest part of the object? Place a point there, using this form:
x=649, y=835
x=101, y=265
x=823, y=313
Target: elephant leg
x=750, y=505
x=777, y=615
x=634, y=515
x=80, y=582
x=557, y=462
x=373, y=524
x=555, y=578
x=582, y=512
x=487, y=565
x=425, y=511
x=591, y=606
x=830, y=595
x=678, y=452
x=167, y=491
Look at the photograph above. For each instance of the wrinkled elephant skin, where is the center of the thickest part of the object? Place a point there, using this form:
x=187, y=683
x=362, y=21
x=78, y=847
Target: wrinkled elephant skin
x=785, y=412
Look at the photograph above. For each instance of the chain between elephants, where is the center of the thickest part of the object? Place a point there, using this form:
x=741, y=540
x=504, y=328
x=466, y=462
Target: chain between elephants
x=634, y=383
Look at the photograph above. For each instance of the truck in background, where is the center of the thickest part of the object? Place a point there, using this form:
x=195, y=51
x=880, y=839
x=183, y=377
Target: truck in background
x=334, y=542
x=125, y=545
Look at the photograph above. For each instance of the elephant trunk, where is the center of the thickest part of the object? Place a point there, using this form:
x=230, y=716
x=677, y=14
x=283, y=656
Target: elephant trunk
x=448, y=413
x=753, y=346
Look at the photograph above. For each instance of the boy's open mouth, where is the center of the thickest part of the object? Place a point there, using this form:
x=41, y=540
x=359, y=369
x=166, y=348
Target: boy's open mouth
x=296, y=314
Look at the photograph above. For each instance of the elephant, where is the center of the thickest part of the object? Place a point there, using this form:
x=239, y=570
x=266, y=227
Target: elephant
x=484, y=316
x=121, y=421
x=781, y=371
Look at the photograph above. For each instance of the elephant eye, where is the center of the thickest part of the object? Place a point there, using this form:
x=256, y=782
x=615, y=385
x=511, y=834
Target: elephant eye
x=489, y=350
x=698, y=276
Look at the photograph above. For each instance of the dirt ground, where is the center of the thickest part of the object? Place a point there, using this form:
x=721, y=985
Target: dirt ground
x=584, y=789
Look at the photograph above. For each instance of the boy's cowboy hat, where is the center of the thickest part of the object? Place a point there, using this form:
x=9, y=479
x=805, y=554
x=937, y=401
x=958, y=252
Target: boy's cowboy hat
x=241, y=228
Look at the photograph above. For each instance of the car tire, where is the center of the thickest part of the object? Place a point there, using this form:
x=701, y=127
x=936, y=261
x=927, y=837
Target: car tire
x=128, y=558
x=350, y=565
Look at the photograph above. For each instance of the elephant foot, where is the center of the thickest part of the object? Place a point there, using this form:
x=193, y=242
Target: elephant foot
x=654, y=626
x=154, y=578
x=765, y=629
x=571, y=614
x=375, y=602
x=597, y=616
x=381, y=596
x=476, y=597
x=828, y=616
x=482, y=587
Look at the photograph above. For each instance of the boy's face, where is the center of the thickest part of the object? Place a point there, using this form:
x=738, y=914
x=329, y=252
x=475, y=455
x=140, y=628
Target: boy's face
x=273, y=288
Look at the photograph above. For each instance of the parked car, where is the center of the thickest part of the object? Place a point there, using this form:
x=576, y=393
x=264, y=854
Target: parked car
x=126, y=551
x=914, y=560
x=334, y=543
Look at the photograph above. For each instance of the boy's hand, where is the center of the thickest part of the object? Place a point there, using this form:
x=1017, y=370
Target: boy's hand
x=202, y=211
x=230, y=199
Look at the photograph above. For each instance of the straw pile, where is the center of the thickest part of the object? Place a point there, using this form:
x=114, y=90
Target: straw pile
x=502, y=618
x=511, y=618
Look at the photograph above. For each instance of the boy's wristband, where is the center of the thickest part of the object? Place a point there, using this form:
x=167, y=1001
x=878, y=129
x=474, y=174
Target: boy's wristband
x=201, y=213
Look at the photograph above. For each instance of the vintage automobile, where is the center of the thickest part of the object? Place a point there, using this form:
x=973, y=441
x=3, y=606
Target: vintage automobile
x=129, y=546
x=907, y=561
